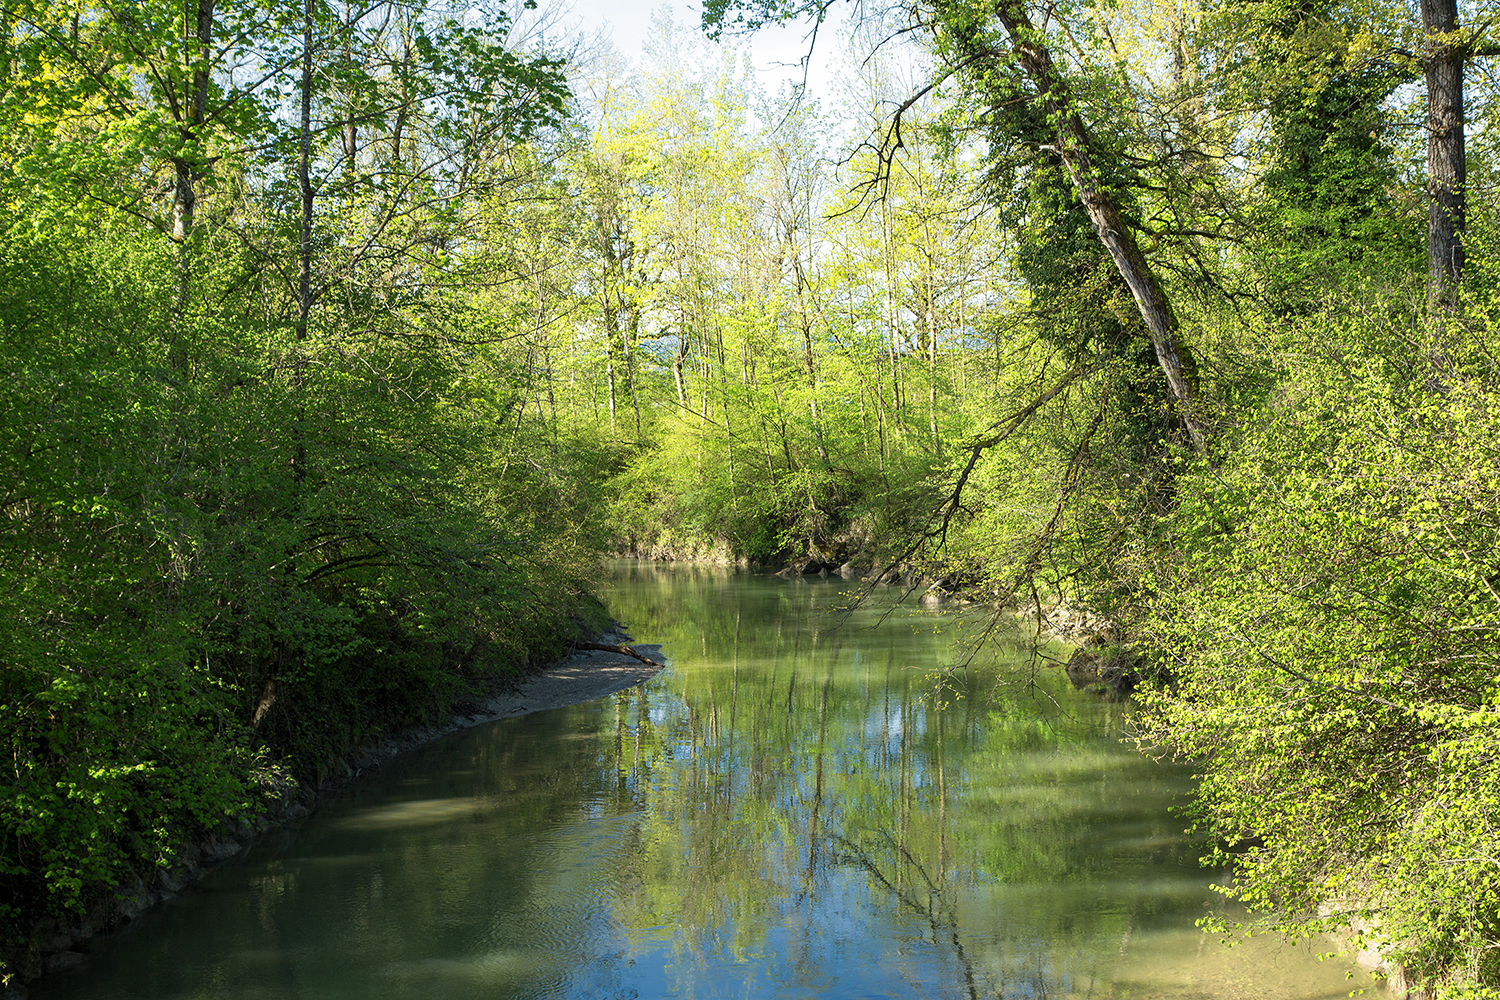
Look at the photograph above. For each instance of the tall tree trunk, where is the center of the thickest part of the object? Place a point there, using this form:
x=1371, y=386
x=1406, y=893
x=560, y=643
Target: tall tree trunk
x=1074, y=147
x=864, y=426
x=403, y=109
x=351, y=127
x=1444, y=70
x=632, y=336
x=680, y=357
x=198, y=33
x=728, y=427
x=540, y=338
x=932, y=359
x=804, y=322
x=819, y=439
x=304, y=250
x=304, y=176
x=892, y=319
x=609, y=360
x=611, y=318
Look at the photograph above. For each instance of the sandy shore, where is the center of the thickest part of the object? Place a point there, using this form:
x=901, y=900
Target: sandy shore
x=582, y=677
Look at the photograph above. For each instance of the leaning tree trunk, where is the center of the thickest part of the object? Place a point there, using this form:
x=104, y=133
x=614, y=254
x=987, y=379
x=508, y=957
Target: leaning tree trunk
x=1444, y=69
x=1074, y=145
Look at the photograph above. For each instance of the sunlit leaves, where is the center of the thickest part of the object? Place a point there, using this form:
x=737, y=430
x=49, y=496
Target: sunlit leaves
x=1334, y=627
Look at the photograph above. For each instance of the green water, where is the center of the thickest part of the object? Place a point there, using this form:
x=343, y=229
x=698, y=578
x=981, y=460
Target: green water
x=802, y=805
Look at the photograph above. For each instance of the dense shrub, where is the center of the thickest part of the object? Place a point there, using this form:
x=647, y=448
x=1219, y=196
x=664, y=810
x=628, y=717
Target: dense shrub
x=1332, y=617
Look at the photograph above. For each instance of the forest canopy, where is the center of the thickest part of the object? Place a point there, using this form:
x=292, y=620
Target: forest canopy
x=344, y=339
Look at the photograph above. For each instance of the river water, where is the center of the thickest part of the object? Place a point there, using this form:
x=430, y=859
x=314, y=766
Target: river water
x=809, y=802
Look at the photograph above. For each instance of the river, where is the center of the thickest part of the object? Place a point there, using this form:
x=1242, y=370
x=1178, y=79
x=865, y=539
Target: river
x=809, y=802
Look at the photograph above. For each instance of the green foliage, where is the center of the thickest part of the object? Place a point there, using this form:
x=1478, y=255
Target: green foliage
x=232, y=549
x=1331, y=616
x=111, y=705
x=1324, y=587
x=194, y=607
x=1330, y=183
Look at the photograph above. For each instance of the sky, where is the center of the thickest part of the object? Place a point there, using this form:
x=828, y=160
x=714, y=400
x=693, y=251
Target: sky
x=775, y=51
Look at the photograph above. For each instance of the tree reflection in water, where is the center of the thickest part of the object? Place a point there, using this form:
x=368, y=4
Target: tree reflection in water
x=803, y=805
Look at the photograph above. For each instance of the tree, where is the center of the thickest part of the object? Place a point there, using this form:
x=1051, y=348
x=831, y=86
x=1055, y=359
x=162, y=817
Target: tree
x=221, y=499
x=613, y=188
x=1342, y=59
x=115, y=95
x=983, y=44
x=1444, y=56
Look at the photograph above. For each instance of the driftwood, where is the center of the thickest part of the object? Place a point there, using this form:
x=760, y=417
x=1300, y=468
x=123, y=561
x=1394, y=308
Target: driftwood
x=622, y=650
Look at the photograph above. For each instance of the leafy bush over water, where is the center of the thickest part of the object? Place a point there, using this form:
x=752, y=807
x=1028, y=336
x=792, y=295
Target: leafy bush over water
x=1333, y=619
x=217, y=578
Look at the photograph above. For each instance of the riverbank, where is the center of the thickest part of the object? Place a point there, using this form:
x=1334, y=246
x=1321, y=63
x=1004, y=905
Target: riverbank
x=583, y=676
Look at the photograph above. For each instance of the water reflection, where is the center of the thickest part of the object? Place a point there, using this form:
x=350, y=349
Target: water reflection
x=800, y=806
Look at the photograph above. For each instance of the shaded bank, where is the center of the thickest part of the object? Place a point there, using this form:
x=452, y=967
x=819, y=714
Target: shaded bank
x=49, y=945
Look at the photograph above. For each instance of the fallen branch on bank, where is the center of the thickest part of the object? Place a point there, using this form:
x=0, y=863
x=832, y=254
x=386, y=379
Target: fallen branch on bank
x=622, y=650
